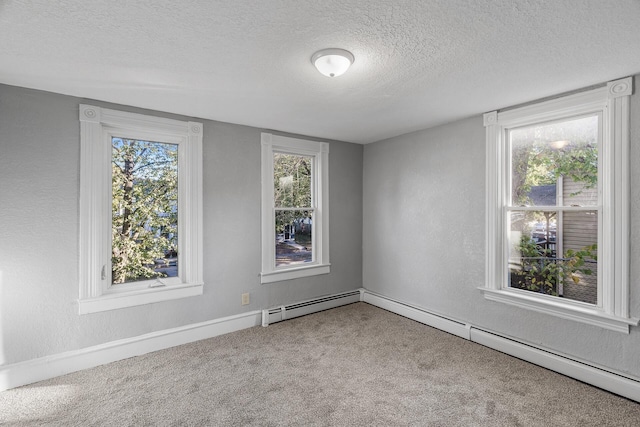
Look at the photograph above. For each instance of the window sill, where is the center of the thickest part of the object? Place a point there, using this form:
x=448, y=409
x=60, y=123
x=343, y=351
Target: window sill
x=113, y=301
x=551, y=305
x=294, y=273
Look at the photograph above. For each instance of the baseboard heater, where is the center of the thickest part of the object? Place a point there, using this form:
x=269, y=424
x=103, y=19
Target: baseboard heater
x=278, y=314
x=607, y=379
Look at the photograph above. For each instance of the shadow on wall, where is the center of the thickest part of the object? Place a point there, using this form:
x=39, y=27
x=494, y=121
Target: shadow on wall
x=3, y=357
x=4, y=380
x=5, y=376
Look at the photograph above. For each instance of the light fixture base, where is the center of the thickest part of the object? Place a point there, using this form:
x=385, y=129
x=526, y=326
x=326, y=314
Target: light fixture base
x=332, y=62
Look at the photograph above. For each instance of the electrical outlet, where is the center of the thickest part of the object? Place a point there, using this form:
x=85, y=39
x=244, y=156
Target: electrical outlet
x=245, y=299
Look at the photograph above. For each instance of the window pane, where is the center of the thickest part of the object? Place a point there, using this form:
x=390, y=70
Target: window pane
x=555, y=164
x=555, y=253
x=144, y=210
x=292, y=180
x=294, y=240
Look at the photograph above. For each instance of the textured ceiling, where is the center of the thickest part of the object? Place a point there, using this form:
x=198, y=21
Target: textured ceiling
x=418, y=63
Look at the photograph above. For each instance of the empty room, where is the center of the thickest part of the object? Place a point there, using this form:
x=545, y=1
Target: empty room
x=349, y=213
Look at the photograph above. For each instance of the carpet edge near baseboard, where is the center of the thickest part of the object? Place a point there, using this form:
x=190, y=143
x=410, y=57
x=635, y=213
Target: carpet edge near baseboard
x=34, y=370
x=604, y=378
x=43, y=368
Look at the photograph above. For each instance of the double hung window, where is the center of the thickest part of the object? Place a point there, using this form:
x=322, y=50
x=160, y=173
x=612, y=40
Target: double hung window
x=295, y=235
x=558, y=206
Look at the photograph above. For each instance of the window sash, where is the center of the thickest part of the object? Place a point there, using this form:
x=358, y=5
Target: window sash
x=313, y=239
x=314, y=162
x=312, y=207
x=109, y=286
x=507, y=256
x=509, y=207
x=550, y=118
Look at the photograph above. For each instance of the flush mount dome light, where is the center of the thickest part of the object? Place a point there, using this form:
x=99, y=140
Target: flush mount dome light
x=332, y=62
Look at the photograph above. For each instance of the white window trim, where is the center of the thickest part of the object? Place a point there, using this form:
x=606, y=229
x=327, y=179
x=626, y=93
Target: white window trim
x=320, y=153
x=97, y=126
x=612, y=102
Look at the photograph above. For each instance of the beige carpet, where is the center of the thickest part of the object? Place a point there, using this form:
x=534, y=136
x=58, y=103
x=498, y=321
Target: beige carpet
x=355, y=365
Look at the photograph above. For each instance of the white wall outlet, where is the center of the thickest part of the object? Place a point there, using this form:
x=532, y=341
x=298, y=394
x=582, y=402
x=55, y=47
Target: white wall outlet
x=245, y=299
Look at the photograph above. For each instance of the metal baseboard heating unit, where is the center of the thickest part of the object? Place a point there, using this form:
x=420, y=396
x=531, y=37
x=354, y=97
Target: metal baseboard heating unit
x=278, y=314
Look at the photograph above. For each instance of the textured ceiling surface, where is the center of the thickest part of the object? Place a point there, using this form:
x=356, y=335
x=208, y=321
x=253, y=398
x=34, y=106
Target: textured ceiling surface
x=418, y=63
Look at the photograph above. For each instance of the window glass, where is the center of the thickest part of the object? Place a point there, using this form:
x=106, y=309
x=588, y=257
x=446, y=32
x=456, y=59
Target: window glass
x=292, y=177
x=555, y=253
x=292, y=180
x=294, y=237
x=144, y=210
x=555, y=164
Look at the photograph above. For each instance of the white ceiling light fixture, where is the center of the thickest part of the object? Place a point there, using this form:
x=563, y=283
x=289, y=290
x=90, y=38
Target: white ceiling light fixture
x=332, y=62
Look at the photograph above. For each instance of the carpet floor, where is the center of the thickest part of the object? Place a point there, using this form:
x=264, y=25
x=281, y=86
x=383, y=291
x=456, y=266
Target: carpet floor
x=355, y=365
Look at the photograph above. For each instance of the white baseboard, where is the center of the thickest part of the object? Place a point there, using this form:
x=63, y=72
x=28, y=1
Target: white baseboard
x=30, y=371
x=34, y=370
x=609, y=380
x=443, y=323
x=22, y=373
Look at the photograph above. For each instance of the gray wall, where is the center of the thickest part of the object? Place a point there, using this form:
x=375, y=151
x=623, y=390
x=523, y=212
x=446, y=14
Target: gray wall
x=39, y=184
x=422, y=234
x=424, y=213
